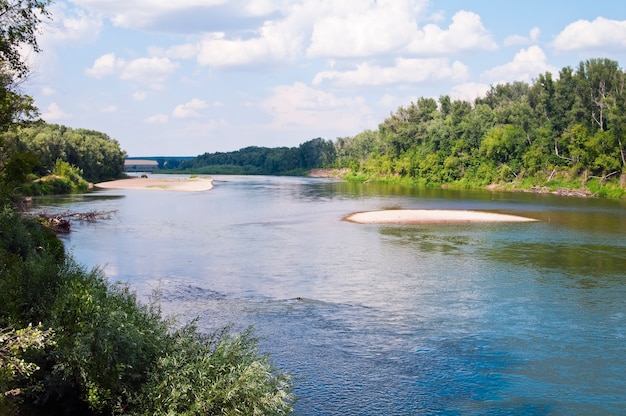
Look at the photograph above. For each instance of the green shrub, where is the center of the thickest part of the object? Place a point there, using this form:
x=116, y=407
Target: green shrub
x=114, y=355
x=216, y=375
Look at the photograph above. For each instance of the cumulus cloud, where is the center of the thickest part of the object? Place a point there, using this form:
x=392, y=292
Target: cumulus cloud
x=309, y=28
x=54, y=113
x=299, y=107
x=526, y=65
x=384, y=27
x=149, y=71
x=532, y=37
x=191, y=109
x=599, y=34
x=71, y=26
x=274, y=42
x=469, y=91
x=157, y=119
x=152, y=71
x=104, y=66
x=405, y=71
x=143, y=13
x=465, y=33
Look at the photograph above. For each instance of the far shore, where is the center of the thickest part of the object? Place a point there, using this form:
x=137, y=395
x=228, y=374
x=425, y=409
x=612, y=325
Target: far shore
x=427, y=216
x=196, y=184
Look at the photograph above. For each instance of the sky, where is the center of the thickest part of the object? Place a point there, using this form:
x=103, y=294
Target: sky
x=186, y=77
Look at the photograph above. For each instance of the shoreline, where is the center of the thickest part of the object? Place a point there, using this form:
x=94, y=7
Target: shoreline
x=431, y=216
x=160, y=184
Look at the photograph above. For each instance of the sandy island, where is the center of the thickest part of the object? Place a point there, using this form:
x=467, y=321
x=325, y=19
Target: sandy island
x=427, y=216
x=161, y=184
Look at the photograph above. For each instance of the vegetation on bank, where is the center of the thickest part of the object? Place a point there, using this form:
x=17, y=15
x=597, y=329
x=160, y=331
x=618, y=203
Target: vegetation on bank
x=63, y=160
x=254, y=160
x=100, y=351
x=70, y=341
x=554, y=135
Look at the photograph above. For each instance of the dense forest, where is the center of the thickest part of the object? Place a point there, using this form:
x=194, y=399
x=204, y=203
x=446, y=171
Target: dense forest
x=63, y=160
x=567, y=131
x=71, y=342
x=99, y=157
x=265, y=161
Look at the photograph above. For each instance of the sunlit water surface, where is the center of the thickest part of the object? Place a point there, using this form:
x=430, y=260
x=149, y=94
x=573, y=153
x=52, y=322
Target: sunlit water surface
x=472, y=319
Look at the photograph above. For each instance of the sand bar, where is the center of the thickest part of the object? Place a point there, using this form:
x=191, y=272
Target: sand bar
x=428, y=216
x=161, y=184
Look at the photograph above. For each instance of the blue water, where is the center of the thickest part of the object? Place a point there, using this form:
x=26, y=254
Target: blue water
x=472, y=319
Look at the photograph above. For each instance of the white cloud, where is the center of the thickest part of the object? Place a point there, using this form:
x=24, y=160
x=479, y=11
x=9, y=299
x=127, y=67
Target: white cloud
x=70, y=26
x=149, y=71
x=388, y=100
x=532, y=37
x=157, y=119
x=190, y=109
x=465, y=33
x=301, y=108
x=274, y=42
x=143, y=13
x=600, y=34
x=104, y=66
x=54, y=113
x=469, y=91
x=405, y=71
x=383, y=27
x=526, y=65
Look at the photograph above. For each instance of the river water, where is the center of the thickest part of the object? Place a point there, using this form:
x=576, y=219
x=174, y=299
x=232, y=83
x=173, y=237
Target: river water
x=471, y=319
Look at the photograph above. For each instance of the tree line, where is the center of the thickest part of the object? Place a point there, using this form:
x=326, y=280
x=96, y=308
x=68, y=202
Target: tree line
x=98, y=156
x=254, y=160
x=569, y=131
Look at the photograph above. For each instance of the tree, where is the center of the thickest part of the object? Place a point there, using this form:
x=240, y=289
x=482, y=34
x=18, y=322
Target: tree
x=19, y=23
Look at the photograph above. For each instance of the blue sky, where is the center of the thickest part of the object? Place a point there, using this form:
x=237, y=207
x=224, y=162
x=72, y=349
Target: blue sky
x=187, y=77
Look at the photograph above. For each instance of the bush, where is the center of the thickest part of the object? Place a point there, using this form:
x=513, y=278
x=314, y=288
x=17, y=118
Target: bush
x=221, y=374
x=114, y=355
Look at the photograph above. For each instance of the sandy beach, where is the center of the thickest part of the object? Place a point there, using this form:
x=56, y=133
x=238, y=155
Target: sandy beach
x=161, y=184
x=426, y=216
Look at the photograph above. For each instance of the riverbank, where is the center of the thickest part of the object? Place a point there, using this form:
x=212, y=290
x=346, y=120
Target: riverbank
x=560, y=186
x=425, y=216
x=195, y=184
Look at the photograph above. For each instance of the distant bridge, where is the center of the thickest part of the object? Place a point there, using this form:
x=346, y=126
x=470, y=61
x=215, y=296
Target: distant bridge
x=151, y=163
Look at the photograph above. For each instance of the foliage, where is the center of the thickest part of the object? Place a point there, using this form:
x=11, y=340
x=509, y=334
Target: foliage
x=13, y=344
x=517, y=133
x=14, y=367
x=64, y=179
x=255, y=160
x=112, y=353
x=95, y=154
x=221, y=374
x=19, y=20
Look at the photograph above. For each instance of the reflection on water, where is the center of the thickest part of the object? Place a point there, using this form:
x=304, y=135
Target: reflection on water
x=474, y=319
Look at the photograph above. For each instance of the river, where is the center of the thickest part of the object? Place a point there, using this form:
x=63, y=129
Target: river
x=470, y=319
